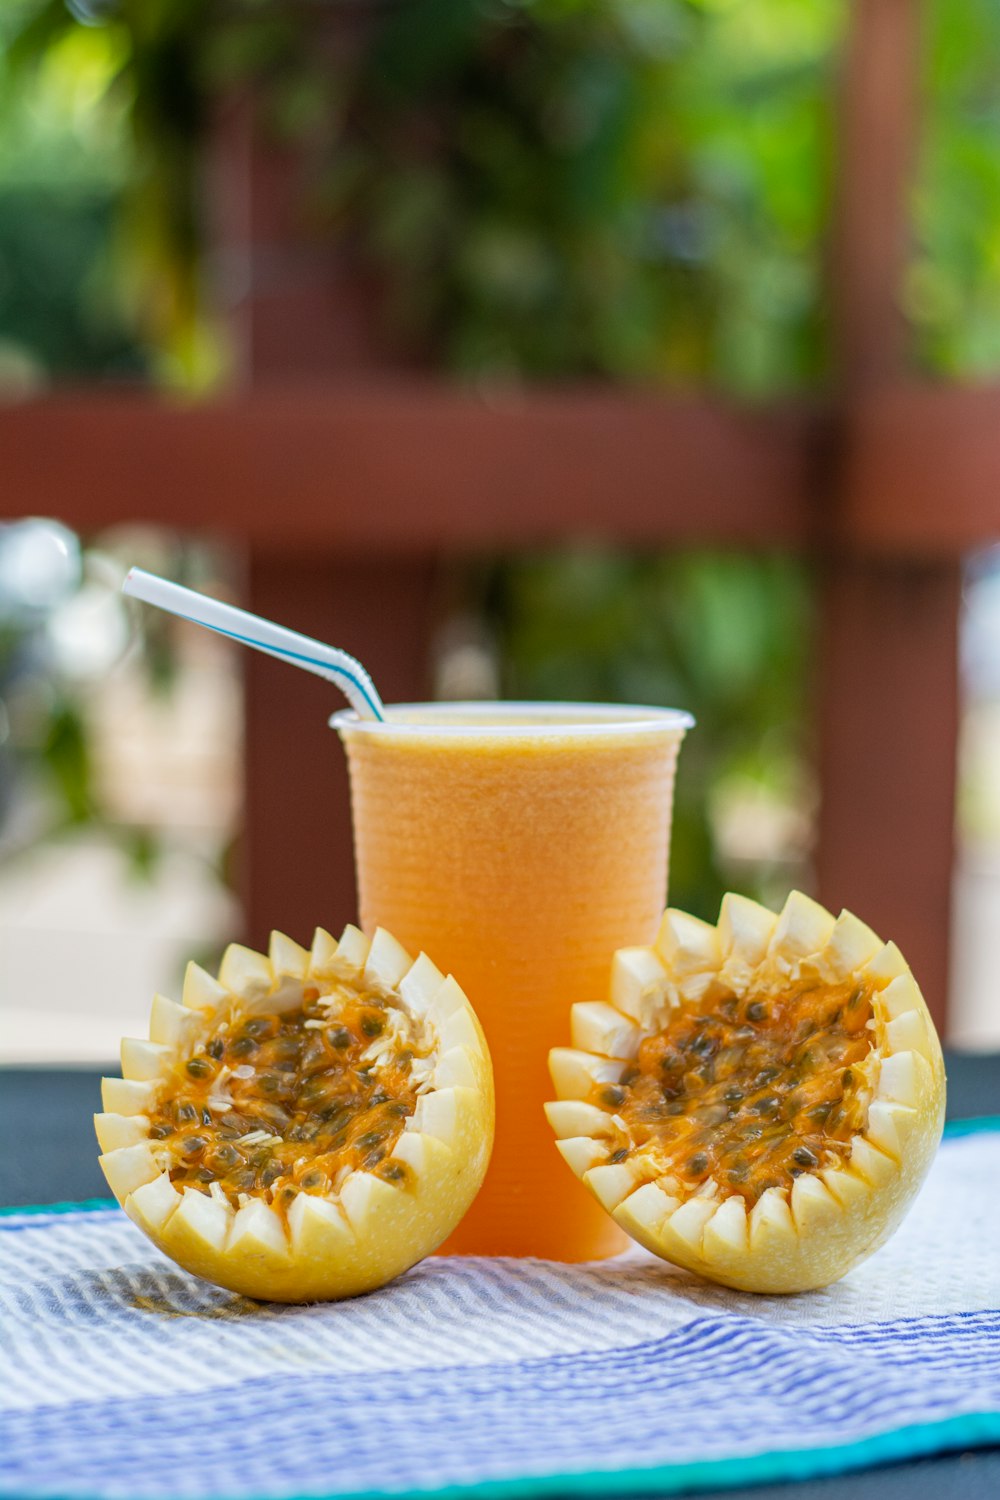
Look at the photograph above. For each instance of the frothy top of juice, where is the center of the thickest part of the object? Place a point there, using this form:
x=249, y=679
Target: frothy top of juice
x=515, y=718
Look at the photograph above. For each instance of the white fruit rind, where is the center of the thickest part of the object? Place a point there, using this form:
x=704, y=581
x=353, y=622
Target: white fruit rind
x=368, y=1230
x=792, y=1239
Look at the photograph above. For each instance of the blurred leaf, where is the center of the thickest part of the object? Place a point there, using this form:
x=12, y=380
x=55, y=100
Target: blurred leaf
x=143, y=851
x=952, y=289
x=66, y=758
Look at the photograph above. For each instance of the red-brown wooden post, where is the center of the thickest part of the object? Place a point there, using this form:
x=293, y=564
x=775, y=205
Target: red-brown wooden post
x=888, y=710
x=298, y=866
x=299, y=310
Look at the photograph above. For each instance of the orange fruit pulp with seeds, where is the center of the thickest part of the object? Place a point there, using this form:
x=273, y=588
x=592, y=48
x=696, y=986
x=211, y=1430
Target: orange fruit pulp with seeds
x=751, y=1091
x=303, y=1108
x=521, y=844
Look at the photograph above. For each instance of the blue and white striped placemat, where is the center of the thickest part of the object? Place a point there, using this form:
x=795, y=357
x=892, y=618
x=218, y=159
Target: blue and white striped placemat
x=128, y=1380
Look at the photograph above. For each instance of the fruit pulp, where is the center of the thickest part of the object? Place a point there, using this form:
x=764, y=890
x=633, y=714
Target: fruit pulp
x=278, y=1104
x=748, y=1092
x=519, y=845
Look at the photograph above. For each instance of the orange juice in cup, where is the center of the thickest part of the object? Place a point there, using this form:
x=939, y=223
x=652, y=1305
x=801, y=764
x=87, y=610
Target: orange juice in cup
x=518, y=844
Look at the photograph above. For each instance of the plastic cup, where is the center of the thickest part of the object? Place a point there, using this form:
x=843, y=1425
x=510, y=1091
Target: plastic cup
x=518, y=845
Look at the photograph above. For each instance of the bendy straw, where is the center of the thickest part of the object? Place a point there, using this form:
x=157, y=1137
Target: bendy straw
x=250, y=630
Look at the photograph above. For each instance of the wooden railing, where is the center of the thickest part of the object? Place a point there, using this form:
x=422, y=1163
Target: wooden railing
x=348, y=486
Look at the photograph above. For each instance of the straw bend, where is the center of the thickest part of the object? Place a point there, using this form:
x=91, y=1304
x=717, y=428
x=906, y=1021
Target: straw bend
x=250, y=630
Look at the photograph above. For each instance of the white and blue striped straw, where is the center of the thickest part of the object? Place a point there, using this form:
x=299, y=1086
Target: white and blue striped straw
x=250, y=630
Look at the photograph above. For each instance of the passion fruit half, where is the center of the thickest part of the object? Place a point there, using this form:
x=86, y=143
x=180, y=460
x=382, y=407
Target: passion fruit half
x=761, y=1100
x=308, y=1125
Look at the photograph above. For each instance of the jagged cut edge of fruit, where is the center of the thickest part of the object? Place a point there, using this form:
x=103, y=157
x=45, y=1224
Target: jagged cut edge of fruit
x=791, y=1239
x=329, y=1245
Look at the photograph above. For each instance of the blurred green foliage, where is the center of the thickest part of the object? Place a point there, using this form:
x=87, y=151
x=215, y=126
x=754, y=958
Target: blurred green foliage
x=628, y=188
x=64, y=169
x=100, y=139
x=548, y=188
x=52, y=316
x=952, y=290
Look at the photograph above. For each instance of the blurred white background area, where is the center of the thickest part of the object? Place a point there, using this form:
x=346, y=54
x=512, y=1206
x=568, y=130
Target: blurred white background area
x=975, y=974
x=122, y=789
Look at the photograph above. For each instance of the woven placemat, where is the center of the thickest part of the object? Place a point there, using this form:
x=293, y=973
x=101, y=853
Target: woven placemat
x=127, y=1379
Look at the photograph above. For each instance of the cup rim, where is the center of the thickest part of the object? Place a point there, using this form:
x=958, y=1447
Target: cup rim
x=604, y=719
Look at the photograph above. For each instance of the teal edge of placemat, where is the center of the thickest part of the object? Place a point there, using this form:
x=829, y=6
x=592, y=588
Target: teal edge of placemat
x=85, y=1205
x=974, y=1125
x=920, y=1440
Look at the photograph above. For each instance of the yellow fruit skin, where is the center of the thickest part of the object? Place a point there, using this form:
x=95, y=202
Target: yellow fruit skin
x=377, y=1231
x=848, y=1213
x=807, y=1262
x=405, y=1225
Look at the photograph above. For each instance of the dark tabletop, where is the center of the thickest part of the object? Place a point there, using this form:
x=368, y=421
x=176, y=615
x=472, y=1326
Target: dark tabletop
x=50, y=1156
